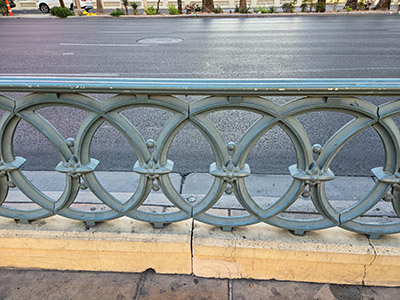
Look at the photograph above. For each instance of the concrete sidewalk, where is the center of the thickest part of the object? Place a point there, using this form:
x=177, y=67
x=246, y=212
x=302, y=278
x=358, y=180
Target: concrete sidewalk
x=189, y=247
x=265, y=189
x=44, y=284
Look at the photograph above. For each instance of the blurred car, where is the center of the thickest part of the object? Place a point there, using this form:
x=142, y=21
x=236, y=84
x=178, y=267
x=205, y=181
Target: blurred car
x=45, y=5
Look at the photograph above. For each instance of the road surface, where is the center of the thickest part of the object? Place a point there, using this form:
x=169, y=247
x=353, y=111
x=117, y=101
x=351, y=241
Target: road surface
x=280, y=47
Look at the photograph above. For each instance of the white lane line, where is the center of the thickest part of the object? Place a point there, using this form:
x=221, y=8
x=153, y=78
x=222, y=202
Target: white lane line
x=128, y=31
x=63, y=75
x=104, y=45
x=68, y=53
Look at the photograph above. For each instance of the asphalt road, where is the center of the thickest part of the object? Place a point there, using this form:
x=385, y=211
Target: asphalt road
x=280, y=47
x=295, y=47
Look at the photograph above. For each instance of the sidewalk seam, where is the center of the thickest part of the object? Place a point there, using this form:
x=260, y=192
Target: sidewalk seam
x=140, y=285
x=230, y=291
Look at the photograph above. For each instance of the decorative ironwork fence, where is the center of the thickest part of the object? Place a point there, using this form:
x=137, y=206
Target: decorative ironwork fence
x=309, y=172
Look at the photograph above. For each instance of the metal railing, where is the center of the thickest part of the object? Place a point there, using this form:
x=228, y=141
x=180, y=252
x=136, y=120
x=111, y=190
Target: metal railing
x=309, y=172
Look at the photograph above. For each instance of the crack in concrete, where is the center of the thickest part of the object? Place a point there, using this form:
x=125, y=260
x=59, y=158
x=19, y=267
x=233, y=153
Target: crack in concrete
x=372, y=261
x=191, y=245
x=364, y=275
x=375, y=254
x=183, y=178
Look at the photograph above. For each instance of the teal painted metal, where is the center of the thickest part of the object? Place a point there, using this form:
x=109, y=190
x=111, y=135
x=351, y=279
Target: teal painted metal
x=309, y=172
x=233, y=87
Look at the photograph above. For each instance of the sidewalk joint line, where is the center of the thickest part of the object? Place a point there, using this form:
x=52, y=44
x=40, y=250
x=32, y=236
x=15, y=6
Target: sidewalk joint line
x=140, y=284
x=230, y=292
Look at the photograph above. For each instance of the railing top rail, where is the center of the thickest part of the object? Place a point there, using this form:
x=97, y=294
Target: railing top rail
x=238, y=87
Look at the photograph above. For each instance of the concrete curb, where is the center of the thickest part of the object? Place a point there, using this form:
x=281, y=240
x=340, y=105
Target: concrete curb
x=211, y=15
x=265, y=252
x=259, y=251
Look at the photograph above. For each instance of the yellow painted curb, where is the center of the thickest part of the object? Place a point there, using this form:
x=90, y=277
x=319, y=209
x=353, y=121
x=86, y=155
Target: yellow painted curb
x=121, y=245
x=258, y=251
x=265, y=252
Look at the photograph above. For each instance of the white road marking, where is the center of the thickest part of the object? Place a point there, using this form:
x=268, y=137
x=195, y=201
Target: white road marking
x=104, y=45
x=68, y=53
x=64, y=75
x=125, y=32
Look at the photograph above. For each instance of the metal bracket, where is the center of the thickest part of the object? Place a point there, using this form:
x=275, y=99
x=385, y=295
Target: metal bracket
x=333, y=100
x=312, y=176
x=159, y=225
x=142, y=98
x=227, y=228
x=298, y=232
x=235, y=100
x=74, y=169
x=373, y=236
x=230, y=172
x=152, y=169
x=90, y=223
x=11, y=166
x=385, y=177
x=23, y=221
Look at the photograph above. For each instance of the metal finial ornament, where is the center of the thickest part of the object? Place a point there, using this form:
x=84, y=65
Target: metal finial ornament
x=70, y=142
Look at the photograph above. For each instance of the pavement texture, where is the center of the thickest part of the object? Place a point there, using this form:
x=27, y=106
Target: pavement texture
x=288, y=47
x=263, y=188
x=45, y=284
